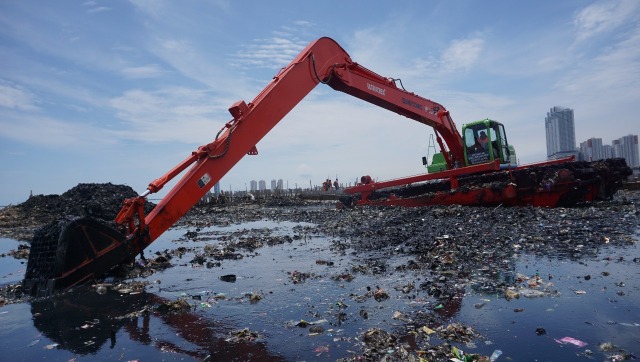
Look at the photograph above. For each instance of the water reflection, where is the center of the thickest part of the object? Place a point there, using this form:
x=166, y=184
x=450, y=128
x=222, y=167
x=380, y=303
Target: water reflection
x=85, y=322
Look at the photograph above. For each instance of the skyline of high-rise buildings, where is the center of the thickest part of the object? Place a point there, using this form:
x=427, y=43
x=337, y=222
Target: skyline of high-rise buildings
x=262, y=185
x=561, y=141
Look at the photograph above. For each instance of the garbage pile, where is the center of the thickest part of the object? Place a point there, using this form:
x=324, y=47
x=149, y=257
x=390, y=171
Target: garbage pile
x=97, y=200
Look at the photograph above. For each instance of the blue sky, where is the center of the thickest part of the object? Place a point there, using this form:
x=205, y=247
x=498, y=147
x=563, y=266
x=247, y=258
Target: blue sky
x=121, y=91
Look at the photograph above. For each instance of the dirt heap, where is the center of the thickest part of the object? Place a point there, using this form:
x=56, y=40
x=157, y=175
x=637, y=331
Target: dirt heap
x=97, y=200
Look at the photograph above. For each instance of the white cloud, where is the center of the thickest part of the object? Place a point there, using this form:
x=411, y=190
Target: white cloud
x=98, y=9
x=15, y=97
x=603, y=16
x=145, y=71
x=271, y=53
x=462, y=54
x=168, y=115
x=50, y=132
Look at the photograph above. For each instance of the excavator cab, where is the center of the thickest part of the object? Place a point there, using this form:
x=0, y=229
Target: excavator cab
x=486, y=141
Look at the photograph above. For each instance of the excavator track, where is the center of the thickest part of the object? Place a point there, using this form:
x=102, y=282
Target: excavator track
x=559, y=185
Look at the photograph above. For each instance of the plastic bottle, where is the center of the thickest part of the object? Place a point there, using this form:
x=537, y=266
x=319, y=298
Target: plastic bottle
x=495, y=355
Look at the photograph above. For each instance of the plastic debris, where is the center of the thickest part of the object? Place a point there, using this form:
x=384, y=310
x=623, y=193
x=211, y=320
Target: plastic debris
x=427, y=330
x=570, y=340
x=320, y=350
x=229, y=278
x=494, y=356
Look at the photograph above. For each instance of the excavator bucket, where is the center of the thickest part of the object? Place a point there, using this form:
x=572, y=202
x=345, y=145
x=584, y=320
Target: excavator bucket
x=68, y=253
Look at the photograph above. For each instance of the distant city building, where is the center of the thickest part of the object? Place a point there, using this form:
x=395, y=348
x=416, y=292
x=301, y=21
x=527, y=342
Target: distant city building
x=216, y=189
x=560, y=128
x=274, y=184
x=262, y=185
x=280, y=184
x=627, y=148
x=254, y=185
x=608, y=151
x=592, y=149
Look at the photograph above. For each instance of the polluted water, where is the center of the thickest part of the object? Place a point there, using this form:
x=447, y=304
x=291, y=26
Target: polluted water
x=291, y=280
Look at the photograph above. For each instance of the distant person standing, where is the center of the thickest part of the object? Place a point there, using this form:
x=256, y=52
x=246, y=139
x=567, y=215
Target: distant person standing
x=336, y=184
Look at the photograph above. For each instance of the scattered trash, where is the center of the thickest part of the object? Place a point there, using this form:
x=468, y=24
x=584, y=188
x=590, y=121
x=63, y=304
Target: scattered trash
x=540, y=331
x=315, y=330
x=320, y=350
x=494, y=356
x=255, y=297
x=229, y=278
x=400, y=316
x=173, y=306
x=242, y=335
x=570, y=340
x=427, y=330
x=511, y=294
x=580, y=292
x=606, y=346
x=380, y=295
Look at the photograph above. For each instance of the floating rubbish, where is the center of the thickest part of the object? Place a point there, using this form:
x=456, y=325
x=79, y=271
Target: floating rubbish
x=494, y=356
x=510, y=294
x=321, y=349
x=51, y=346
x=579, y=292
x=629, y=324
x=532, y=293
x=540, y=331
x=33, y=343
x=230, y=278
x=427, y=330
x=569, y=340
x=606, y=346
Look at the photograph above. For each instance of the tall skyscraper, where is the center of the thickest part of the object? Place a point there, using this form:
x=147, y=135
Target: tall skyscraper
x=561, y=134
x=627, y=148
x=592, y=149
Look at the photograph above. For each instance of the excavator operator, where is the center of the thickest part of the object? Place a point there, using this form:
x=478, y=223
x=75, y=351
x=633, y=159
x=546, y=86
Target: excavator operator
x=484, y=140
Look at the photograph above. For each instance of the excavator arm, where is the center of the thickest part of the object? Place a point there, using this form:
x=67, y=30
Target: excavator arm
x=86, y=249
x=322, y=61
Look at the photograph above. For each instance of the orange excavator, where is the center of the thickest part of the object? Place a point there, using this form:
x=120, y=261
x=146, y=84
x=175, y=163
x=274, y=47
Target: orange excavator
x=466, y=171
